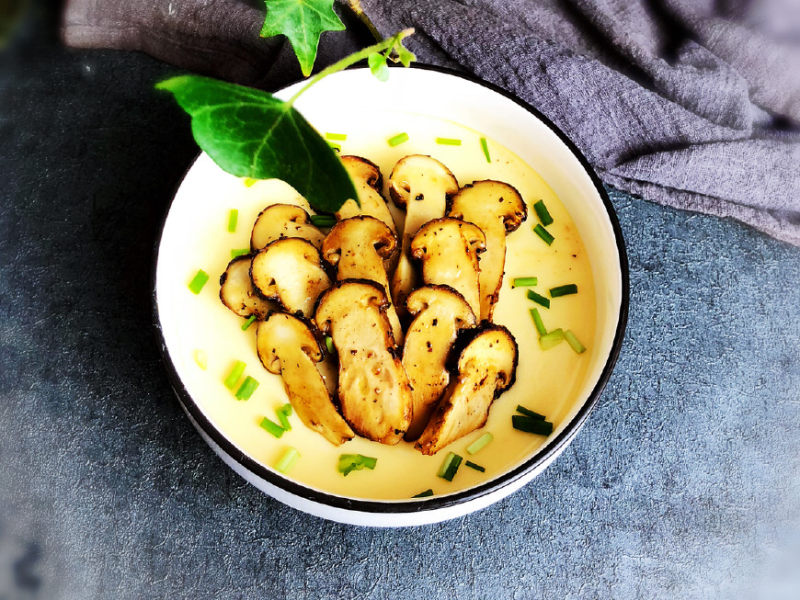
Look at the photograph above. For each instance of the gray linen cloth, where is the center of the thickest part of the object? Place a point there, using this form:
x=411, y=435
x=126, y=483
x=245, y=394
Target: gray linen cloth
x=689, y=103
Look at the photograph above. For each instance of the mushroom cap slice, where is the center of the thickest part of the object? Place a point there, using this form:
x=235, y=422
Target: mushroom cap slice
x=486, y=367
x=290, y=271
x=368, y=181
x=440, y=313
x=283, y=221
x=237, y=292
x=287, y=347
x=374, y=393
x=449, y=249
x=421, y=185
x=358, y=247
x=498, y=209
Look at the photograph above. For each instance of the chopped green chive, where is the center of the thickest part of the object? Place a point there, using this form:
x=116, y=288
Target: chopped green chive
x=485, y=148
x=574, y=342
x=472, y=465
x=529, y=425
x=283, y=413
x=355, y=462
x=249, y=182
x=552, y=339
x=339, y=137
x=287, y=461
x=449, y=467
x=538, y=299
x=237, y=252
x=247, y=388
x=323, y=220
x=543, y=213
x=250, y=320
x=563, y=290
x=200, y=358
x=398, y=139
x=198, y=281
x=448, y=141
x=329, y=344
x=425, y=494
x=233, y=219
x=335, y=146
x=272, y=427
x=537, y=321
x=524, y=282
x=529, y=413
x=235, y=374
x=480, y=443
x=544, y=234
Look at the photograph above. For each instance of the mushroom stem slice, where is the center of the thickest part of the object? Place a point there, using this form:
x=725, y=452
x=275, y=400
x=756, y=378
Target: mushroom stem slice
x=374, y=392
x=283, y=221
x=368, y=181
x=237, y=292
x=287, y=347
x=498, y=209
x=486, y=367
x=440, y=313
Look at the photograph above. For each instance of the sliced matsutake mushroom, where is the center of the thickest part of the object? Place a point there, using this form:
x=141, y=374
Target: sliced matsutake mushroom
x=283, y=221
x=440, y=313
x=374, y=392
x=290, y=271
x=287, y=347
x=357, y=247
x=421, y=185
x=498, y=209
x=237, y=292
x=486, y=368
x=449, y=249
x=368, y=181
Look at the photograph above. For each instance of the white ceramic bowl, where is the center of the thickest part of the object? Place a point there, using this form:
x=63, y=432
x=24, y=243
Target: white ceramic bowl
x=521, y=128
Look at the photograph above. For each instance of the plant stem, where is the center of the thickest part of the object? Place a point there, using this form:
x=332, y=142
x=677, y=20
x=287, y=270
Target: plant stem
x=352, y=59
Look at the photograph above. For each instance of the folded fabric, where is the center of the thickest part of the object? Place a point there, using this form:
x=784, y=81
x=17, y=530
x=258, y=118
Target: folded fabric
x=686, y=103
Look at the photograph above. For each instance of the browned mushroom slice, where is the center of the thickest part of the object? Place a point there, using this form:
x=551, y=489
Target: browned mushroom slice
x=237, y=292
x=374, y=393
x=498, y=209
x=486, y=367
x=357, y=247
x=290, y=271
x=287, y=347
x=283, y=221
x=440, y=313
x=367, y=178
x=449, y=249
x=419, y=184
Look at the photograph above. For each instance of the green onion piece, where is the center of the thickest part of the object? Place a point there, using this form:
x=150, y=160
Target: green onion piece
x=198, y=281
x=249, y=322
x=479, y=444
x=537, y=321
x=200, y=358
x=283, y=413
x=287, y=461
x=339, y=137
x=355, y=462
x=272, y=427
x=563, y=290
x=237, y=252
x=543, y=213
x=425, y=494
x=529, y=425
x=249, y=182
x=329, y=344
x=448, y=141
x=233, y=219
x=472, y=465
x=524, y=282
x=235, y=374
x=449, y=467
x=485, y=148
x=398, y=139
x=247, y=388
x=574, y=342
x=323, y=220
x=538, y=299
x=544, y=234
x=335, y=146
x=552, y=339
x=529, y=413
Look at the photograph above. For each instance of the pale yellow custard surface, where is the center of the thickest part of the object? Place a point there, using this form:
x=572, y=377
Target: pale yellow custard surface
x=547, y=381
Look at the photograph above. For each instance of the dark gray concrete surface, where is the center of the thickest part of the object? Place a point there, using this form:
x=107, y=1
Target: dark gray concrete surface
x=684, y=483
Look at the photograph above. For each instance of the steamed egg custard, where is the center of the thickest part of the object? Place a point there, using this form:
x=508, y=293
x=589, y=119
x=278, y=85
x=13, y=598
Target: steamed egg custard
x=426, y=242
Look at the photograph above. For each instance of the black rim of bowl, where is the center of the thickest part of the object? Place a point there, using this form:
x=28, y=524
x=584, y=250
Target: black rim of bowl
x=430, y=503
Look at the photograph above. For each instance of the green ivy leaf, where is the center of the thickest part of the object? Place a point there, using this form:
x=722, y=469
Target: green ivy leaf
x=378, y=67
x=302, y=21
x=250, y=133
x=405, y=55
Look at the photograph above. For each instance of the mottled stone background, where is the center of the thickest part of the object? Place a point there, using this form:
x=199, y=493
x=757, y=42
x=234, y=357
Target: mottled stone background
x=685, y=482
